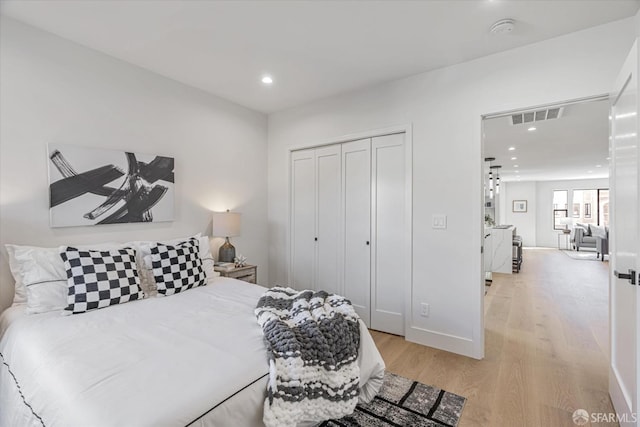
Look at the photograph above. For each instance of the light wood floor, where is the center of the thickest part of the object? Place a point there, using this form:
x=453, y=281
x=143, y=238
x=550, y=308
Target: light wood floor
x=546, y=347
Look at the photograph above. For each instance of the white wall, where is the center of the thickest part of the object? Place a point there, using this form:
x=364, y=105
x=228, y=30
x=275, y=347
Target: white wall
x=52, y=90
x=536, y=225
x=546, y=236
x=525, y=222
x=445, y=107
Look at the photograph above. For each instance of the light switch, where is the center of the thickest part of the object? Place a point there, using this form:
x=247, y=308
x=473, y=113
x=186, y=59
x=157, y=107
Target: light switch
x=439, y=222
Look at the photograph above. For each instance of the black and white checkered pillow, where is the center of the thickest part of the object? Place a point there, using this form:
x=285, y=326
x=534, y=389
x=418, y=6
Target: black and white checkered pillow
x=177, y=268
x=98, y=279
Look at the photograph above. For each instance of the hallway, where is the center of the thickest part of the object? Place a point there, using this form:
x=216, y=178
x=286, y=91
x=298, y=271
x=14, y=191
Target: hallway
x=546, y=352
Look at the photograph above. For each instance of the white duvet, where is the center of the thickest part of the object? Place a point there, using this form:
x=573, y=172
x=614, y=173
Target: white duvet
x=194, y=358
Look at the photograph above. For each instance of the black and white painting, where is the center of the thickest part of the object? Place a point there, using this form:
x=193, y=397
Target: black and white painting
x=89, y=186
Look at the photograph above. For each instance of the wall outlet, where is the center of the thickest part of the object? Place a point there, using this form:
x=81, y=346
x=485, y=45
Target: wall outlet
x=424, y=310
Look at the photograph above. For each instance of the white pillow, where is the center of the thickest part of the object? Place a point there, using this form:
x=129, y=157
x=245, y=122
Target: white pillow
x=41, y=279
x=20, y=293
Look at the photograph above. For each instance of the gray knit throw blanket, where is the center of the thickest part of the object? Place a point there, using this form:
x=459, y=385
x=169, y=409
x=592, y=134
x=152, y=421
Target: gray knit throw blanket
x=313, y=340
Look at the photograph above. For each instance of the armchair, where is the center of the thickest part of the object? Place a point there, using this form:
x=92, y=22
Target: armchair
x=582, y=238
x=591, y=236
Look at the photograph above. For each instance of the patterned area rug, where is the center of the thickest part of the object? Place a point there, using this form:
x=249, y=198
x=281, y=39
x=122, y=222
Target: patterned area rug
x=404, y=402
x=583, y=255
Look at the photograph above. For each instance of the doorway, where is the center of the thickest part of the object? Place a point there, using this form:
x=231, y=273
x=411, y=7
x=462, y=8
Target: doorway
x=547, y=318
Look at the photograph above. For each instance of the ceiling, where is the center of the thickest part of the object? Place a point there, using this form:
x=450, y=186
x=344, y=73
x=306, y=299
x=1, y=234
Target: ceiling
x=573, y=146
x=313, y=49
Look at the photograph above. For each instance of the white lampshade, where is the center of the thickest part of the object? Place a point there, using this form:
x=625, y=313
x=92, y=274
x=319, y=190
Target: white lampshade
x=226, y=224
x=566, y=220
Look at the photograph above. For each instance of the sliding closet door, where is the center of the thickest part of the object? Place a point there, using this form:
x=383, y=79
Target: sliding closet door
x=387, y=220
x=328, y=189
x=302, y=219
x=356, y=202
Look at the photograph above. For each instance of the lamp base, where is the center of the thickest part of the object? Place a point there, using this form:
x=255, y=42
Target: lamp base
x=227, y=252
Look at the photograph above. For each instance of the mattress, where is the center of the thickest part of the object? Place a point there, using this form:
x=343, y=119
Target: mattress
x=194, y=358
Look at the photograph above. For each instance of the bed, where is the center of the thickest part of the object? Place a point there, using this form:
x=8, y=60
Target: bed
x=196, y=358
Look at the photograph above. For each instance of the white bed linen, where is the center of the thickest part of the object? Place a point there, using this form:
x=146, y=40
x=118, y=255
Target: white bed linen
x=197, y=357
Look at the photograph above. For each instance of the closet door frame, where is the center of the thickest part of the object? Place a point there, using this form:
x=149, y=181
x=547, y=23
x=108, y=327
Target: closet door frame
x=405, y=273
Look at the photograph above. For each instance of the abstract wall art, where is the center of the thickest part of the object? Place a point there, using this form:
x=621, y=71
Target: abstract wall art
x=89, y=186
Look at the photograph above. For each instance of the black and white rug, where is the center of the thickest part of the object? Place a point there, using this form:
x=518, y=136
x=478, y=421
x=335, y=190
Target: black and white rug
x=404, y=402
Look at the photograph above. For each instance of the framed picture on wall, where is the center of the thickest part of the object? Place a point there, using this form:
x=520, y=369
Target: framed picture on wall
x=519, y=206
x=90, y=186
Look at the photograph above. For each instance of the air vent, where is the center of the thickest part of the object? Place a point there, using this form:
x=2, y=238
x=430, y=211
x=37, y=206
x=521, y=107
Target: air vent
x=536, y=116
x=554, y=113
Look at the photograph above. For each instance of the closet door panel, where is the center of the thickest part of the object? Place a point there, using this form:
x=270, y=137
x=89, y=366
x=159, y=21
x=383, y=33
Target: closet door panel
x=387, y=209
x=328, y=202
x=356, y=202
x=302, y=219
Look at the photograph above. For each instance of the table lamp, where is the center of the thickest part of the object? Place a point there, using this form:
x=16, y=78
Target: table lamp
x=226, y=224
x=566, y=221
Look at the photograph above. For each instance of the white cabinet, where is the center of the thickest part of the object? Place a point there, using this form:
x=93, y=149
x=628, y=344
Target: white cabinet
x=499, y=249
x=315, y=219
x=356, y=201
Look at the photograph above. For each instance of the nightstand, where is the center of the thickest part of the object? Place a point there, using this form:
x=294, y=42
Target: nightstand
x=248, y=273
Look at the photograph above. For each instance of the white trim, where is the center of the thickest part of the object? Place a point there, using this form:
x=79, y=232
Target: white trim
x=408, y=221
x=389, y=130
x=478, y=331
x=442, y=341
x=603, y=97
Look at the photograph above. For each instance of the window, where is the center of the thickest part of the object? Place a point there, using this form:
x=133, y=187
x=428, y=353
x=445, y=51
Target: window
x=584, y=203
x=560, y=208
x=603, y=207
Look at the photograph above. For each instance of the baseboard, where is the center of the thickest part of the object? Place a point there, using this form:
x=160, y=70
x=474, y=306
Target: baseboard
x=619, y=400
x=441, y=341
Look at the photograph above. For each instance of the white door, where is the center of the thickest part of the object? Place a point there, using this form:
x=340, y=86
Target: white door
x=328, y=260
x=302, y=219
x=387, y=233
x=623, y=378
x=356, y=205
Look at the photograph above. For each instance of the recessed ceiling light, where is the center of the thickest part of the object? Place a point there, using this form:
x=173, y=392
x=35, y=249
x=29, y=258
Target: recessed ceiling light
x=515, y=166
x=531, y=129
x=514, y=158
x=589, y=171
x=512, y=148
x=608, y=158
x=598, y=166
x=267, y=80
